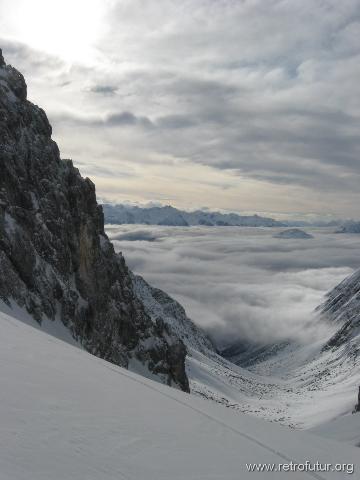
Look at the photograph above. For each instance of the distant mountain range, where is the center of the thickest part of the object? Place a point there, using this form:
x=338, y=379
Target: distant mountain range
x=167, y=215
x=350, y=227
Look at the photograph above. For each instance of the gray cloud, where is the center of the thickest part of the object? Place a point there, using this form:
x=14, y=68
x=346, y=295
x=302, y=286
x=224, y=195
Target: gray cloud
x=115, y=119
x=127, y=118
x=262, y=82
x=24, y=57
x=241, y=283
x=104, y=89
x=176, y=122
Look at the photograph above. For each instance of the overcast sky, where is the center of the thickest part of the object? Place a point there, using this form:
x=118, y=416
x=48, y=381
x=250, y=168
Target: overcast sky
x=249, y=105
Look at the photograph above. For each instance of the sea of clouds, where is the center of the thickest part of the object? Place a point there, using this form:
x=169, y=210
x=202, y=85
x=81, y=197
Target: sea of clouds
x=242, y=283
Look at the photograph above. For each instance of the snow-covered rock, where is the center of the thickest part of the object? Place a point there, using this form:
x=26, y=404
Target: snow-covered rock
x=342, y=308
x=163, y=309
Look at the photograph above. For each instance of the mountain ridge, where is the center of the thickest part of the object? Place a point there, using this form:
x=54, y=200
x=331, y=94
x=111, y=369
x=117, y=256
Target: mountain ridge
x=350, y=227
x=171, y=216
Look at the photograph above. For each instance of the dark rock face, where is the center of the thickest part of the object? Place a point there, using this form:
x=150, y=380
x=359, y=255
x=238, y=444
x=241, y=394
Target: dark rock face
x=357, y=406
x=55, y=259
x=342, y=308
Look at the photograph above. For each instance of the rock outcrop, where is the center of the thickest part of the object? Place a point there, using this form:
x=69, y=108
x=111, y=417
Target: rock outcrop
x=342, y=308
x=357, y=406
x=163, y=308
x=55, y=258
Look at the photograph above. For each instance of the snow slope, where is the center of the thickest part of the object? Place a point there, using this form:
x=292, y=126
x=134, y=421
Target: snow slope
x=345, y=428
x=66, y=414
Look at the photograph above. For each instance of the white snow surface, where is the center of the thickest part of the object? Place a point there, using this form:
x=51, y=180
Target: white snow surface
x=345, y=428
x=67, y=415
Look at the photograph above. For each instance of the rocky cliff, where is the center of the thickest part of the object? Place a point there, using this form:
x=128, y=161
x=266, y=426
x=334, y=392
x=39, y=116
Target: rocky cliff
x=163, y=308
x=55, y=258
x=342, y=308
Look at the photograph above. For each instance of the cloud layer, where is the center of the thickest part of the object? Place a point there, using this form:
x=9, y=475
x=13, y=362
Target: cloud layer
x=245, y=105
x=241, y=283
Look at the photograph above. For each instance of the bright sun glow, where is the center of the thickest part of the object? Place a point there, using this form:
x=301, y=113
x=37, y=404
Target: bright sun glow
x=68, y=28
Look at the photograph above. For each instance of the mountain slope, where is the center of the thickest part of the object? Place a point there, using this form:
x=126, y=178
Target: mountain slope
x=55, y=258
x=342, y=309
x=163, y=308
x=68, y=415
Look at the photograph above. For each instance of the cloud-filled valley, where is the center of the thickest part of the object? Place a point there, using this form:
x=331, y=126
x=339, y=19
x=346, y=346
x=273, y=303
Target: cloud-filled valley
x=241, y=283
